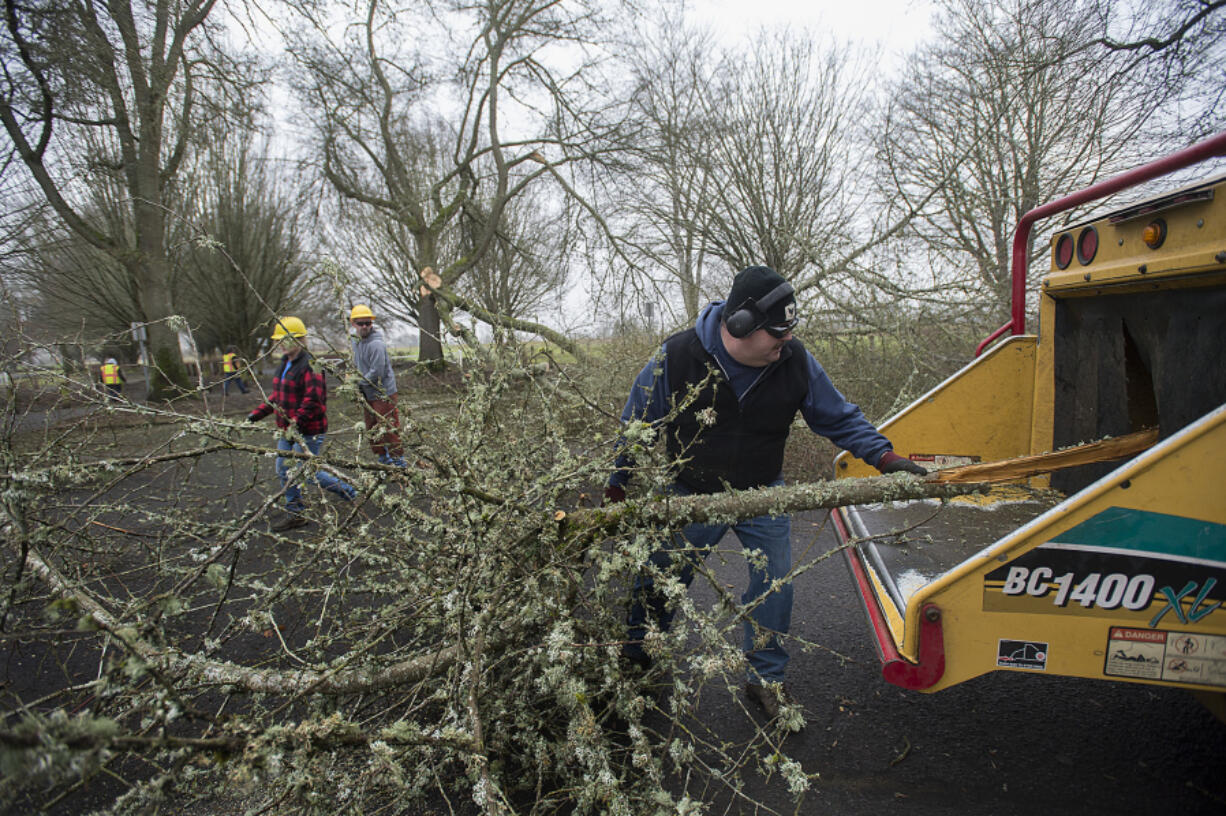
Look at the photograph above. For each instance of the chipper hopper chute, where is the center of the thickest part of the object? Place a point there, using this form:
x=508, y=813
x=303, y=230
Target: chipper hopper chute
x=1111, y=570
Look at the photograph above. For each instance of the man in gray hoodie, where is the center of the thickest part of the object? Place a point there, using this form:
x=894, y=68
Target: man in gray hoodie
x=378, y=386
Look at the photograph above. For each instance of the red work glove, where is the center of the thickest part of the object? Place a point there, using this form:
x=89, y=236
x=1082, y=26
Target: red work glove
x=891, y=462
x=613, y=494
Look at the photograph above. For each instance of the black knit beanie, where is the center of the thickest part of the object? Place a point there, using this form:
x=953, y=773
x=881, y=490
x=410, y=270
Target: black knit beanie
x=757, y=282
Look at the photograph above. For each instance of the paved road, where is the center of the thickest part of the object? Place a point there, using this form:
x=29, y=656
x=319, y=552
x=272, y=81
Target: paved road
x=1005, y=743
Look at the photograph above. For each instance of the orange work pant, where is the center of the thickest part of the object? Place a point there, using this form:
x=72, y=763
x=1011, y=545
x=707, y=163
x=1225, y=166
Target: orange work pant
x=383, y=414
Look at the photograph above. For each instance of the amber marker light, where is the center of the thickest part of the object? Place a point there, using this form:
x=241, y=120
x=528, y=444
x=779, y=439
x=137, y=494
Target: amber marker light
x=1154, y=233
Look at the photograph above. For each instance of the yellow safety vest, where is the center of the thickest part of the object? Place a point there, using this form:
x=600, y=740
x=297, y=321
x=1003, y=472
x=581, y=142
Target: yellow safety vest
x=227, y=363
x=110, y=374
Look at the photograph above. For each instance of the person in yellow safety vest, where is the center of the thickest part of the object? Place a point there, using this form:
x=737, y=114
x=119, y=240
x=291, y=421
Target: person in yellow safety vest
x=112, y=377
x=230, y=365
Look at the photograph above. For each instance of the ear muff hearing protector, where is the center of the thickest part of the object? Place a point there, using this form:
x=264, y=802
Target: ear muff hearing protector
x=752, y=314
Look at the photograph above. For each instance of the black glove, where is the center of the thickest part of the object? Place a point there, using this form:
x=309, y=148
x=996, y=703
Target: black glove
x=613, y=494
x=252, y=418
x=891, y=462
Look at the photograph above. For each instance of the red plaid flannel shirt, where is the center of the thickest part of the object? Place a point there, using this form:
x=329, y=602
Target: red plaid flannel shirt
x=299, y=395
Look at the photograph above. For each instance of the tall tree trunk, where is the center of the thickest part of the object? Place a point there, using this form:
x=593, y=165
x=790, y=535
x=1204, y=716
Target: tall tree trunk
x=689, y=290
x=430, y=342
x=167, y=373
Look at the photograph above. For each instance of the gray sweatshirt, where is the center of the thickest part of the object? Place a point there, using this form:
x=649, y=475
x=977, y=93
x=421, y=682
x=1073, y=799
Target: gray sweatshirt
x=371, y=359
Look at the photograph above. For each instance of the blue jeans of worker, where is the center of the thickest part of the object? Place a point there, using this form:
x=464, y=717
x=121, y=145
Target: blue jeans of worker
x=233, y=377
x=769, y=535
x=293, y=494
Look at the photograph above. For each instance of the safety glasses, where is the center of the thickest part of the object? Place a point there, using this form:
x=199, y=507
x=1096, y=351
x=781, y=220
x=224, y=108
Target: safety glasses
x=361, y=322
x=782, y=330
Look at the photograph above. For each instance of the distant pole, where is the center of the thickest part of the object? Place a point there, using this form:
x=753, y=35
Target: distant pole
x=140, y=335
x=649, y=309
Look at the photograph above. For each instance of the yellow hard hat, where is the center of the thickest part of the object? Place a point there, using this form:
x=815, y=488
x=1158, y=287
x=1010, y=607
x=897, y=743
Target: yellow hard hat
x=288, y=326
x=360, y=311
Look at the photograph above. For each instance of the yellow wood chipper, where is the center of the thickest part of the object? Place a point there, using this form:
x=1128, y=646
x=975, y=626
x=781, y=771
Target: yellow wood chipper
x=1114, y=570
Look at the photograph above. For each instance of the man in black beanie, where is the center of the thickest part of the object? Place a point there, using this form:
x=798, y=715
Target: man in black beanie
x=732, y=435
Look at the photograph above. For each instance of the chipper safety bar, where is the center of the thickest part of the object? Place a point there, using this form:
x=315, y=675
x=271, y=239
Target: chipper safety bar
x=1114, y=570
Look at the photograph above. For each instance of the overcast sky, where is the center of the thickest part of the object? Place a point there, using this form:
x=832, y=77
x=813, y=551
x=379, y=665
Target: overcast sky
x=894, y=25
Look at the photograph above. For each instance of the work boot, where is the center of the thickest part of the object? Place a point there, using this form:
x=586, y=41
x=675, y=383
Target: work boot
x=289, y=521
x=391, y=459
x=770, y=696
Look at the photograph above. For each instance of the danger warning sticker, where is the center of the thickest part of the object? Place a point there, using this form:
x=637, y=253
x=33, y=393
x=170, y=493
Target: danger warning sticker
x=1178, y=657
x=1135, y=653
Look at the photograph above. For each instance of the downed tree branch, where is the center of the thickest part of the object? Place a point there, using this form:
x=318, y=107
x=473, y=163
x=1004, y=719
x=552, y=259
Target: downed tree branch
x=327, y=734
x=219, y=672
x=731, y=506
x=84, y=471
x=586, y=525
x=1104, y=450
x=583, y=527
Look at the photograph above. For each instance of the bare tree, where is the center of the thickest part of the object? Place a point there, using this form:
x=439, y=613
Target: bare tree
x=526, y=266
x=744, y=156
x=663, y=187
x=785, y=157
x=1185, y=42
x=514, y=110
x=386, y=251
x=24, y=206
x=242, y=258
x=1005, y=110
x=131, y=74
x=1171, y=26
x=73, y=287
x=378, y=269
x=234, y=243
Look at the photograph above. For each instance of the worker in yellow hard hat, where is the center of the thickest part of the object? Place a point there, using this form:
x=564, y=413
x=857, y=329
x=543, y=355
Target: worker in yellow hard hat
x=377, y=382
x=299, y=399
x=288, y=327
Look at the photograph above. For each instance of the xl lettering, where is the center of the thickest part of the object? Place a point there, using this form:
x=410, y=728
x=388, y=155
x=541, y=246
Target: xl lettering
x=1173, y=599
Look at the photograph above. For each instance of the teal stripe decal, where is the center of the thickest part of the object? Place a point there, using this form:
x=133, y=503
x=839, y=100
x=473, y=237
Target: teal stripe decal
x=1143, y=531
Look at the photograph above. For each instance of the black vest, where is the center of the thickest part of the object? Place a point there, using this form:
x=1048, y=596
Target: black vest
x=744, y=445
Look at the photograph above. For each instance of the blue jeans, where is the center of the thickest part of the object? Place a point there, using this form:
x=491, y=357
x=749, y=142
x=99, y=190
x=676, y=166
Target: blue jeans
x=770, y=535
x=293, y=495
x=233, y=377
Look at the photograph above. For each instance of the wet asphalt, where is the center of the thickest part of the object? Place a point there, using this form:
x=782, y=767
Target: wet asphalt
x=1004, y=743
